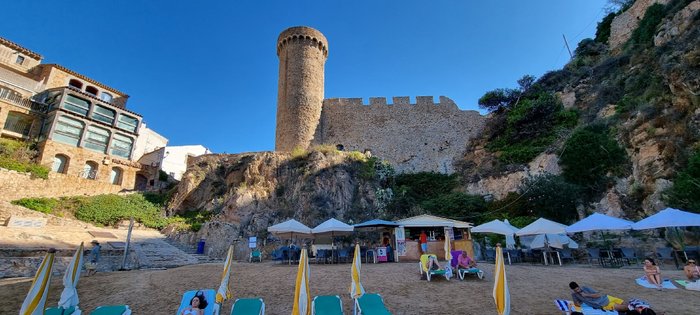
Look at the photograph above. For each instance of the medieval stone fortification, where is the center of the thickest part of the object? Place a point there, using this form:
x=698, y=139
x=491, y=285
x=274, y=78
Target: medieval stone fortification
x=425, y=136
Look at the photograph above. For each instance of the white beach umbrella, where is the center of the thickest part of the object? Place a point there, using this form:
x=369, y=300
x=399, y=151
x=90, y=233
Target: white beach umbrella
x=332, y=227
x=495, y=226
x=598, y=221
x=69, y=295
x=510, y=238
x=36, y=297
x=553, y=240
x=289, y=229
x=542, y=226
x=668, y=217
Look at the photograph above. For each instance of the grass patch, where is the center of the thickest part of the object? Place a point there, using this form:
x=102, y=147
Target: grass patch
x=43, y=205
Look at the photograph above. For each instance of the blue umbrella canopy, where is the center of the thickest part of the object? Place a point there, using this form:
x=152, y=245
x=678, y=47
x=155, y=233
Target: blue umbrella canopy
x=598, y=221
x=668, y=217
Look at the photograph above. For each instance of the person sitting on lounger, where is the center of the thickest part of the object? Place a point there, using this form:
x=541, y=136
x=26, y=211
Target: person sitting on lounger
x=433, y=263
x=691, y=270
x=197, y=305
x=596, y=300
x=652, y=273
x=464, y=262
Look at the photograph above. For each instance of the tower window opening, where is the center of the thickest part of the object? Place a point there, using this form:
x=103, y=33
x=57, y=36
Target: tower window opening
x=76, y=84
x=19, y=60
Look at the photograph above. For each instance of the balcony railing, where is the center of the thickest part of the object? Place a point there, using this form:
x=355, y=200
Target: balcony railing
x=22, y=127
x=18, y=99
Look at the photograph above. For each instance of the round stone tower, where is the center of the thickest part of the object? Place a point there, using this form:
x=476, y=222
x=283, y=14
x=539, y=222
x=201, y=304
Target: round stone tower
x=302, y=52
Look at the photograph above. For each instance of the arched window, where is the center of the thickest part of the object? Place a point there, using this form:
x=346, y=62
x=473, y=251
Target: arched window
x=89, y=170
x=76, y=84
x=106, y=97
x=60, y=163
x=115, y=177
x=91, y=90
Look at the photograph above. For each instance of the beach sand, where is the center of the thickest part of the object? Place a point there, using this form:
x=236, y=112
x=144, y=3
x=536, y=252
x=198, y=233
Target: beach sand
x=533, y=288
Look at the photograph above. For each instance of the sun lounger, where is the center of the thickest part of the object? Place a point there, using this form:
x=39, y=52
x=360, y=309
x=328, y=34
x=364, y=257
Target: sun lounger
x=255, y=255
x=327, y=305
x=371, y=304
x=568, y=306
x=666, y=284
x=59, y=311
x=446, y=272
x=209, y=297
x=471, y=271
x=112, y=310
x=251, y=306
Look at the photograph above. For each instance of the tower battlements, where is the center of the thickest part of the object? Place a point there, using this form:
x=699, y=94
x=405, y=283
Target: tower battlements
x=302, y=33
x=398, y=101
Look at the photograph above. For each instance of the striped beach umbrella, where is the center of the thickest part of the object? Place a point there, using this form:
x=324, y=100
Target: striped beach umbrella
x=448, y=250
x=501, y=294
x=356, y=289
x=224, y=292
x=69, y=296
x=36, y=298
x=302, y=297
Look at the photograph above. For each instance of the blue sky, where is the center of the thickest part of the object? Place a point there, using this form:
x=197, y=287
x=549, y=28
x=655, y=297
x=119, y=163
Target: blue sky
x=207, y=74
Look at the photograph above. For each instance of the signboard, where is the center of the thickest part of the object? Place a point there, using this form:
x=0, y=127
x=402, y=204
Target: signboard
x=382, y=254
x=449, y=232
x=400, y=241
x=252, y=242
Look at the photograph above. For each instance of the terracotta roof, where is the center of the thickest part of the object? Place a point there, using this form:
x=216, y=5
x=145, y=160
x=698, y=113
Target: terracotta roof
x=25, y=51
x=104, y=86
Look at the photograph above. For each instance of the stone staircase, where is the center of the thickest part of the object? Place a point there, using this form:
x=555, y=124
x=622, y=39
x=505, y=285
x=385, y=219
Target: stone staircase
x=192, y=251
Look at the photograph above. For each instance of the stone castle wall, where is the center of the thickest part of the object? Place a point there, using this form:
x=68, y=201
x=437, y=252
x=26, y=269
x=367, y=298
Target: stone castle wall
x=624, y=24
x=15, y=185
x=425, y=136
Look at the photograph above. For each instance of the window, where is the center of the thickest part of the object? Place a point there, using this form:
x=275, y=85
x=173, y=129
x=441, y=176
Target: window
x=127, y=123
x=60, y=164
x=76, y=105
x=115, y=176
x=103, y=114
x=106, y=97
x=89, y=170
x=18, y=123
x=68, y=131
x=121, y=146
x=96, y=139
x=91, y=90
x=19, y=60
x=76, y=84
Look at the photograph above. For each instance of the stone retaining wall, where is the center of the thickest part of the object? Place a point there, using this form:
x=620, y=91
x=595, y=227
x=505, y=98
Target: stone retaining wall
x=15, y=185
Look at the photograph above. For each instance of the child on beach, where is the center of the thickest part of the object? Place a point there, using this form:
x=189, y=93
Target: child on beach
x=653, y=273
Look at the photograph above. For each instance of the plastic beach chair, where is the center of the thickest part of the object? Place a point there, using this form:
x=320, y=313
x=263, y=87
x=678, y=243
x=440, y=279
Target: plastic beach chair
x=59, y=311
x=371, y=304
x=209, y=297
x=447, y=272
x=327, y=305
x=471, y=271
x=251, y=306
x=255, y=255
x=112, y=310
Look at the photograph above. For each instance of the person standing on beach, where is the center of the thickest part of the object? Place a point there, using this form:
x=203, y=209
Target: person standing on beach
x=423, y=242
x=91, y=266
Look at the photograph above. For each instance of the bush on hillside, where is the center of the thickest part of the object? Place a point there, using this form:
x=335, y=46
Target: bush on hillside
x=455, y=205
x=43, y=205
x=685, y=192
x=110, y=209
x=19, y=156
x=602, y=32
x=643, y=35
x=589, y=155
x=551, y=197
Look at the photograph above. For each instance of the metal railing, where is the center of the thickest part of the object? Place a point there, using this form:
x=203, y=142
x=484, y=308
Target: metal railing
x=88, y=174
x=22, y=127
x=18, y=99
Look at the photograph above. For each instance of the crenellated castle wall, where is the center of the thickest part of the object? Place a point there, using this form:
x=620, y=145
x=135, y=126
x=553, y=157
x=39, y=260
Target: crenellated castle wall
x=425, y=136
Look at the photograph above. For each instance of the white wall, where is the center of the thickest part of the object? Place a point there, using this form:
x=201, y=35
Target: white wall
x=148, y=141
x=175, y=158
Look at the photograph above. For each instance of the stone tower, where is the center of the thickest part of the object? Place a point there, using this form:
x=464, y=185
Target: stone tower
x=302, y=52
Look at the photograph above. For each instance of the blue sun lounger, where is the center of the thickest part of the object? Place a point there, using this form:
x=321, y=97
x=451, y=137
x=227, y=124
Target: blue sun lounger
x=209, y=297
x=327, y=305
x=251, y=306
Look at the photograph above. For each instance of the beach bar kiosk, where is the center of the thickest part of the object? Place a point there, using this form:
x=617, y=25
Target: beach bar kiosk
x=437, y=229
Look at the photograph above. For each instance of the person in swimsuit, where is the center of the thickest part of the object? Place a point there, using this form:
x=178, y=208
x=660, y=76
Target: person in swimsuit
x=652, y=273
x=197, y=305
x=691, y=270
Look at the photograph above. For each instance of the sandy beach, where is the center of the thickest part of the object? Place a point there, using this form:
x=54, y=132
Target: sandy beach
x=533, y=288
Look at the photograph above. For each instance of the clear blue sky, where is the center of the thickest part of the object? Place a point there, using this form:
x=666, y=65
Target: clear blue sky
x=207, y=74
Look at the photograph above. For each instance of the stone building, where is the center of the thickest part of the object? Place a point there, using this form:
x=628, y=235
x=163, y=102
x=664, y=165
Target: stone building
x=83, y=127
x=425, y=136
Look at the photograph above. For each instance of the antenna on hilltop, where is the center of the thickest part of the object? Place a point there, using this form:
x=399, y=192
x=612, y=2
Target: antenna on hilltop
x=567, y=47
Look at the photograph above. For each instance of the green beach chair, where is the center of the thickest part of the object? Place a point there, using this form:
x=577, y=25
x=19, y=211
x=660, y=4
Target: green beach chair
x=59, y=311
x=327, y=305
x=429, y=273
x=112, y=310
x=252, y=306
x=371, y=304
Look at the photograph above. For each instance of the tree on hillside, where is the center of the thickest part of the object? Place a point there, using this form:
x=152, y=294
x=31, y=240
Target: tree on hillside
x=499, y=100
x=551, y=197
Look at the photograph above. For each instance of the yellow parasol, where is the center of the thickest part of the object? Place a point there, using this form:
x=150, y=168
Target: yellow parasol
x=302, y=297
x=501, y=294
x=224, y=292
x=36, y=298
x=356, y=289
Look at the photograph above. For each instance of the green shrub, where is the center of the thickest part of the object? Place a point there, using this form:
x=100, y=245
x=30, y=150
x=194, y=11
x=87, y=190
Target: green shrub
x=36, y=170
x=602, y=33
x=327, y=149
x=685, y=192
x=299, y=153
x=454, y=205
x=110, y=209
x=191, y=220
x=589, y=155
x=551, y=197
x=356, y=156
x=44, y=205
x=643, y=35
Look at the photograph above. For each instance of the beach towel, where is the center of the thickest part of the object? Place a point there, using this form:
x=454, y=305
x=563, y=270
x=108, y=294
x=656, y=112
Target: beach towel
x=667, y=284
x=209, y=297
x=695, y=286
x=568, y=307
